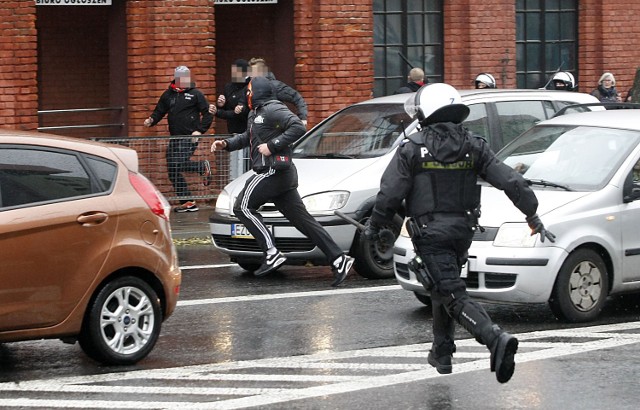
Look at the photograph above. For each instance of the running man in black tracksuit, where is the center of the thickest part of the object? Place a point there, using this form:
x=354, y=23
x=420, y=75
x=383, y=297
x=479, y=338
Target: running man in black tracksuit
x=188, y=111
x=271, y=129
x=436, y=171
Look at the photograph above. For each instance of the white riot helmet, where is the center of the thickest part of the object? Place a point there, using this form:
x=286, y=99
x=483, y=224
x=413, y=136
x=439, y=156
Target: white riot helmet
x=565, y=78
x=486, y=79
x=438, y=102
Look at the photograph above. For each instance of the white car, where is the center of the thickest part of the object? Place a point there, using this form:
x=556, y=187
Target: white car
x=585, y=171
x=341, y=160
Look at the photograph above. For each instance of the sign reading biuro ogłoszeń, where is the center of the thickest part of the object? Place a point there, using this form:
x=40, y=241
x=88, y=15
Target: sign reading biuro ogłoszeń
x=73, y=2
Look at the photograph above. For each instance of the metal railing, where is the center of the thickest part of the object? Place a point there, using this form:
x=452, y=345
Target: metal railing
x=152, y=154
x=80, y=111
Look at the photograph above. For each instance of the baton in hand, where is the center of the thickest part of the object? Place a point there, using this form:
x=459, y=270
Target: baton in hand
x=385, y=234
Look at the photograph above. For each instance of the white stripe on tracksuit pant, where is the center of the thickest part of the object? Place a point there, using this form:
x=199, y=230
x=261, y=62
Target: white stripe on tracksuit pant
x=280, y=187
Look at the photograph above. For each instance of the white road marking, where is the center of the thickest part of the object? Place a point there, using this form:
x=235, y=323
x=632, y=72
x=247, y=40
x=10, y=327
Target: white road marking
x=294, y=378
x=219, y=265
x=329, y=292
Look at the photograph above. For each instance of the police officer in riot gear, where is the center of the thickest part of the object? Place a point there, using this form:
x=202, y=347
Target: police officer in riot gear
x=563, y=80
x=485, y=80
x=435, y=170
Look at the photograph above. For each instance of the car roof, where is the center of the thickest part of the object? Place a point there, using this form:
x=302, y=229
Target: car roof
x=127, y=155
x=497, y=94
x=624, y=119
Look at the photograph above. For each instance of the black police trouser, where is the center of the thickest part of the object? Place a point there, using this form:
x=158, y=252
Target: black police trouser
x=450, y=300
x=280, y=187
x=179, y=152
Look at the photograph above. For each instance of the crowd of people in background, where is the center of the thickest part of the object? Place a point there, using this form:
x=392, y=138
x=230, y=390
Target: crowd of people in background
x=190, y=114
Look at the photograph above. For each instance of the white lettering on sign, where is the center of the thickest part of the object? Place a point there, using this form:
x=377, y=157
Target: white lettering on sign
x=73, y=2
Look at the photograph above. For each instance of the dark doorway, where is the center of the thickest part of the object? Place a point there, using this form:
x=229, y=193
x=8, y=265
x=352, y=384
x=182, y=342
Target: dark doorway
x=246, y=31
x=82, y=76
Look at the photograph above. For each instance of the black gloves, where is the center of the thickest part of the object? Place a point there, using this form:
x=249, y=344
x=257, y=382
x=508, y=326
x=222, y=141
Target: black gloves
x=537, y=227
x=371, y=231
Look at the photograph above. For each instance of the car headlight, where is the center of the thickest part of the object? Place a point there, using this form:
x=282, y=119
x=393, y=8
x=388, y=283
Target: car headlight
x=515, y=235
x=223, y=203
x=325, y=202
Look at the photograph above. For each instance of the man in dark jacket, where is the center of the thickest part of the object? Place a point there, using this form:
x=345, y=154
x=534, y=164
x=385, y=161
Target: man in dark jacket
x=231, y=105
x=188, y=111
x=284, y=92
x=416, y=80
x=271, y=130
x=436, y=171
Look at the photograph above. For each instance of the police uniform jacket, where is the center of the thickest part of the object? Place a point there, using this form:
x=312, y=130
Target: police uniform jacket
x=436, y=171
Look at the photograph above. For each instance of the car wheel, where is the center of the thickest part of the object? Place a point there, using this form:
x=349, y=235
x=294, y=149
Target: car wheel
x=249, y=266
x=581, y=287
x=426, y=300
x=374, y=260
x=122, y=324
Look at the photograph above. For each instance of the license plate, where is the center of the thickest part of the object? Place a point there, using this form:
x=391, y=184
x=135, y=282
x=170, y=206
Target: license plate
x=241, y=231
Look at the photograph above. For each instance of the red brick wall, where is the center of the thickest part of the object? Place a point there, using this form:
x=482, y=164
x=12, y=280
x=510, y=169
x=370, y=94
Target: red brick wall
x=18, y=65
x=163, y=35
x=609, y=35
x=479, y=37
x=334, y=53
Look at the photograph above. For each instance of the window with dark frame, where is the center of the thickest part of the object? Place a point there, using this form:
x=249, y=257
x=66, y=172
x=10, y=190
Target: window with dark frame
x=546, y=40
x=406, y=29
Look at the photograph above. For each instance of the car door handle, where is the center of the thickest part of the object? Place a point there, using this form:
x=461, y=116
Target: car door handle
x=92, y=218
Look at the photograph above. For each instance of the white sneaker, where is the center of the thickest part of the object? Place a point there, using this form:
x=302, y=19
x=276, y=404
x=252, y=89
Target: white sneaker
x=271, y=263
x=341, y=267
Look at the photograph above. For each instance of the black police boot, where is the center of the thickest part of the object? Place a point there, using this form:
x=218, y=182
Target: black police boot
x=440, y=357
x=503, y=349
x=502, y=345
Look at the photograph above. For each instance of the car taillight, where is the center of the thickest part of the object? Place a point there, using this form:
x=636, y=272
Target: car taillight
x=154, y=199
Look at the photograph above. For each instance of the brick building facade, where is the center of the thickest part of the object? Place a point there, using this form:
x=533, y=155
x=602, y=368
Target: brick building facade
x=323, y=48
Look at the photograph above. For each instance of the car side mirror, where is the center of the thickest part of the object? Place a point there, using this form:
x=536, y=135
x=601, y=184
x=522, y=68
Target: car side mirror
x=631, y=191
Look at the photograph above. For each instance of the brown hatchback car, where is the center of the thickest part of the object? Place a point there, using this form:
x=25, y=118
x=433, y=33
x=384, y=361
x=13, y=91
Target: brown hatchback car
x=85, y=247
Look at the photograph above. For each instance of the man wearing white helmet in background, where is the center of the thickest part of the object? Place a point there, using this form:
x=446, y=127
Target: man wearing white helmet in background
x=435, y=171
x=485, y=80
x=562, y=80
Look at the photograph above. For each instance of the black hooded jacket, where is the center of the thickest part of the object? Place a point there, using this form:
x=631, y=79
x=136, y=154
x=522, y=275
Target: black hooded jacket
x=269, y=122
x=289, y=95
x=234, y=93
x=436, y=171
x=188, y=110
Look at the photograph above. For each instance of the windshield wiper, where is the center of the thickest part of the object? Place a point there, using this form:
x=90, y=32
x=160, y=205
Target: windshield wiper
x=542, y=182
x=338, y=155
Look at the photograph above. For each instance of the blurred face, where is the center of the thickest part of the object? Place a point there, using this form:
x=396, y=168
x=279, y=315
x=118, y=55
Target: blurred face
x=183, y=80
x=237, y=74
x=480, y=84
x=607, y=82
x=259, y=70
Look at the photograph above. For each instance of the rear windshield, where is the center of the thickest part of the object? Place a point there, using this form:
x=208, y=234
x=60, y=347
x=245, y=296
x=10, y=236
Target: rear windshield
x=359, y=131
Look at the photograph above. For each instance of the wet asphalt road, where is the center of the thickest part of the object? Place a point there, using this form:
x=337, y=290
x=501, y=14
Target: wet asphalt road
x=229, y=319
